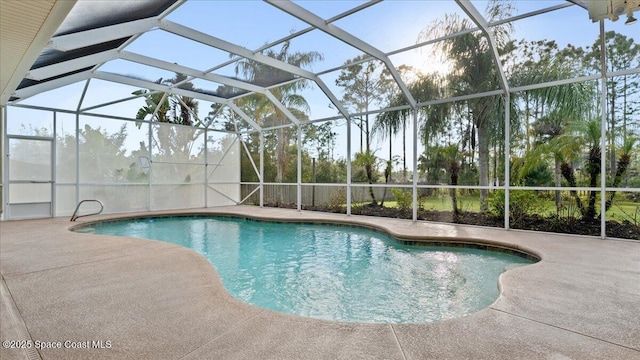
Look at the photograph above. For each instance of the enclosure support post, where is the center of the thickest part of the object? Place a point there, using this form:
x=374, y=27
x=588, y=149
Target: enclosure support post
x=415, y=165
x=299, y=187
x=53, y=165
x=5, y=161
x=77, y=157
x=77, y=132
x=313, y=180
x=206, y=171
x=261, y=169
x=348, y=166
x=150, y=170
x=507, y=156
x=603, y=132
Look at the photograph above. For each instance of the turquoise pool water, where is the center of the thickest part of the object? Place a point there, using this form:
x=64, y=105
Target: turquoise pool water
x=332, y=272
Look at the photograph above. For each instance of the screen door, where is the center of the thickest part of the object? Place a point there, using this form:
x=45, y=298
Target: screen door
x=30, y=177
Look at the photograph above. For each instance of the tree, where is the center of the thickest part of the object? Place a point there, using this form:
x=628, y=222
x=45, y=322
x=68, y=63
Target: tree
x=103, y=153
x=322, y=140
x=183, y=108
x=547, y=111
x=569, y=147
x=368, y=160
x=621, y=168
x=169, y=108
x=431, y=118
x=171, y=143
x=451, y=155
x=622, y=53
x=364, y=84
x=287, y=94
x=474, y=72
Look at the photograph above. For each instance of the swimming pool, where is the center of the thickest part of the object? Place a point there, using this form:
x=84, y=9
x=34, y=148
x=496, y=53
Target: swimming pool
x=332, y=272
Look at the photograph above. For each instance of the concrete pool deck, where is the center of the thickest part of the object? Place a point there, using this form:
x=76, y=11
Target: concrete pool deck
x=127, y=298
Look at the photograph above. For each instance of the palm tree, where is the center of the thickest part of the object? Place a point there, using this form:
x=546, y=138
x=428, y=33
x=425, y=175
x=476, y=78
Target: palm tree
x=568, y=148
x=556, y=106
x=368, y=160
x=624, y=161
x=452, y=157
x=152, y=101
x=265, y=75
x=475, y=71
x=175, y=109
x=390, y=123
x=183, y=107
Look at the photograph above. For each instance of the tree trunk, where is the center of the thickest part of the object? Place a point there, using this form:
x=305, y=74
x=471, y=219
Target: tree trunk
x=281, y=155
x=495, y=165
x=387, y=178
x=612, y=143
x=453, y=192
x=594, y=173
x=404, y=152
x=483, y=166
x=567, y=173
x=558, y=175
x=369, y=170
x=361, y=135
x=625, y=160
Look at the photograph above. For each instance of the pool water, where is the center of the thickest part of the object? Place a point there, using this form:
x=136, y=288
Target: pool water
x=333, y=272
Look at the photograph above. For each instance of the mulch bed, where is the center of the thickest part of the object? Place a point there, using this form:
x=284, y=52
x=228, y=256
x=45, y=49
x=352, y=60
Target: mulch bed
x=554, y=224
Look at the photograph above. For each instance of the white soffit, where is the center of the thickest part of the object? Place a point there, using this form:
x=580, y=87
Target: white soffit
x=25, y=29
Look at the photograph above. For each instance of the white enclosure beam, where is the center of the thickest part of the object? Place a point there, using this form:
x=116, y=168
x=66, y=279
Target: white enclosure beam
x=334, y=100
x=452, y=35
x=507, y=156
x=300, y=32
x=244, y=116
x=100, y=35
x=282, y=108
x=161, y=64
x=603, y=132
x=253, y=164
x=193, y=112
x=88, y=108
x=145, y=60
x=318, y=22
x=414, y=182
x=482, y=23
x=218, y=164
x=52, y=84
x=220, y=44
x=158, y=106
x=217, y=43
x=299, y=168
x=130, y=81
x=155, y=86
x=261, y=169
x=82, y=96
x=215, y=114
x=50, y=71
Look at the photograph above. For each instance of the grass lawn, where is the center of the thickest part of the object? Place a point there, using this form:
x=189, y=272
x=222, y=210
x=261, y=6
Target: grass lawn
x=622, y=209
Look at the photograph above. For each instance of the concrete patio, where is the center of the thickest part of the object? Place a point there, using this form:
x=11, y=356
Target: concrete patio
x=127, y=298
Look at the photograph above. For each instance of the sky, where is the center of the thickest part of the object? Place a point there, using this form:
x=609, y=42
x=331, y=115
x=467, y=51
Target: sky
x=387, y=26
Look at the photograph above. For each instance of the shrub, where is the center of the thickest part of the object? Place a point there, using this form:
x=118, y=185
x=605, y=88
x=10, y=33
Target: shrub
x=338, y=199
x=403, y=197
x=522, y=203
x=568, y=211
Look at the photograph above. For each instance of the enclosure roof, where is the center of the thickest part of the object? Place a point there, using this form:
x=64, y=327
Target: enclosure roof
x=95, y=34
